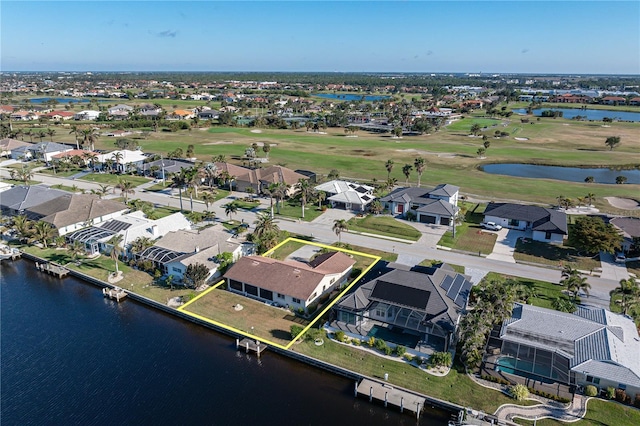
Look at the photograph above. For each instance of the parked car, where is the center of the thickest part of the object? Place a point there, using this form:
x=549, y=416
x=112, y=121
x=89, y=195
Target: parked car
x=620, y=257
x=491, y=226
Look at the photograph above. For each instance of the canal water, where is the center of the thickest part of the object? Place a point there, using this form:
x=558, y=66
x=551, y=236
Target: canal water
x=69, y=356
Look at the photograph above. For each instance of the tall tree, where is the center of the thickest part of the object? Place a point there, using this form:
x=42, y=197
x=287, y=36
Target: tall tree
x=305, y=191
x=230, y=209
x=420, y=165
x=196, y=275
x=592, y=235
x=126, y=188
x=340, y=225
x=406, y=170
x=627, y=295
x=43, y=232
x=116, y=249
x=178, y=180
x=266, y=148
x=280, y=193
x=89, y=138
x=389, y=166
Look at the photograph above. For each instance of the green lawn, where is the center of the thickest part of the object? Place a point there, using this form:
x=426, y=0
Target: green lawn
x=469, y=235
x=599, y=413
x=430, y=262
x=165, y=211
x=293, y=209
x=114, y=179
x=285, y=250
x=455, y=387
x=60, y=174
x=66, y=188
x=545, y=291
x=246, y=205
x=384, y=225
x=552, y=254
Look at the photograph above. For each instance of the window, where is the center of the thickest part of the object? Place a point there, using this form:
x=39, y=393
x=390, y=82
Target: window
x=176, y=269
x=280, y=296
x=313, y=296
x=547, y=235
x=514, y=222
x=380, y=312
x=296, y=300
x=622, y=386
x=594, y=380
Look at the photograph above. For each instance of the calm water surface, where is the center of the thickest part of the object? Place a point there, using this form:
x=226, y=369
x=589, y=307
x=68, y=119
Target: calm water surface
x=591, y=114
x=570, y=174
x=69, y=356
x=351, y=97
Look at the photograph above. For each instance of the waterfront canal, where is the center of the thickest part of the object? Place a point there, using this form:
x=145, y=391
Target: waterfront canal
x=70, y=356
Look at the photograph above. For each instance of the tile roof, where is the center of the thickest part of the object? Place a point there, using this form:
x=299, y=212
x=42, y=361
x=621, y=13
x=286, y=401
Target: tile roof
x=541, y=219
x=293, y=278
x=22, y=197
x=273, y=174
x=595, y=341
x=74, y=208
x=188, y=241
x=8, y=144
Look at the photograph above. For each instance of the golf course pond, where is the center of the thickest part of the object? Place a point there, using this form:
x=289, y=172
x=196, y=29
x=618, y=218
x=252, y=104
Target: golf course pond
x=570, y=174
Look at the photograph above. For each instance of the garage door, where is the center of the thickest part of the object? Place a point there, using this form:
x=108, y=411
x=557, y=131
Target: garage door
x=445, y=221
x=427, y=219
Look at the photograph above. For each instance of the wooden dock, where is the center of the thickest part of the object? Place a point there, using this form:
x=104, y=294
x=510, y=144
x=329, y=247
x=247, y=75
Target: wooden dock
x=114, y=293
x=250, y=345
x=52, y=269
x=390, y=395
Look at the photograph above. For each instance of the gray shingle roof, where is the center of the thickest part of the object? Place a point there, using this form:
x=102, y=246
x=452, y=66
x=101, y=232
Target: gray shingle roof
x=541, y=219
x=23, y=197
x=438, y=207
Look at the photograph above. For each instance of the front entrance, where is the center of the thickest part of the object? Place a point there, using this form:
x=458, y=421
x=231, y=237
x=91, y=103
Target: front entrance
x=400, y=208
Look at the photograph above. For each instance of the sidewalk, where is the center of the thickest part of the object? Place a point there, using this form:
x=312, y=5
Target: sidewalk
x=575, y=412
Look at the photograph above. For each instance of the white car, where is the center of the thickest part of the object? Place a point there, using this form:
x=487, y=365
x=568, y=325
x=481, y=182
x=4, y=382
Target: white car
x=491, y=226
x=621, y=258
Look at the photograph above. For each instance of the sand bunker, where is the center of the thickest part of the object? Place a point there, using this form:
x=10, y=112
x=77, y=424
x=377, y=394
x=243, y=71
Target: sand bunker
x=437, y=154
x=521, y=139
x=623, y=203
x=256, y=131
x=262, y=144
x=218, y=143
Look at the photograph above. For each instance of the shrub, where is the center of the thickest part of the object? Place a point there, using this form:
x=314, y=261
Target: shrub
x=400, y=350
x=380, y=344
x=371, y=341
x=440, y=359
x=636, y=402
x=408, y=357
x=621, y=395
x=411, y=216
x=591, y=390
x=295, y=330
x=387, y=350
x=356, y=342
x=340, y=337
x=355, y=272
x=611, y=392
x=519, y=392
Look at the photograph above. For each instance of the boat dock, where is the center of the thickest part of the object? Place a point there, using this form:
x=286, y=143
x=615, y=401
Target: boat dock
x=114, y=293
x=52, y=269
x=390, y=395
x=250, y=345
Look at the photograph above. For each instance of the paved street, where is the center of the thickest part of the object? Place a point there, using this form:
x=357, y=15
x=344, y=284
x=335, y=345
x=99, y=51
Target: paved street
x=408, y=252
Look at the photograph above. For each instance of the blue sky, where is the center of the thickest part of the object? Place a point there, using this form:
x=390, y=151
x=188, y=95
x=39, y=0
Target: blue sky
x=575, y=37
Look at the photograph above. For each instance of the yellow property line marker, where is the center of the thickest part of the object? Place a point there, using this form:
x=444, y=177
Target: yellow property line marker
x=317, y=317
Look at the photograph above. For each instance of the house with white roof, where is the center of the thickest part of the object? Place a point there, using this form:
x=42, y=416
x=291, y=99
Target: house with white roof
x=591, y=346
x=347, y=195
x=86, y=115
x=122, y=159
x=436, y=206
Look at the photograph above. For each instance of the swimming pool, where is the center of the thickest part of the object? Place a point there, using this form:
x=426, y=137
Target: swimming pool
x=399, y=338
x=524, y=368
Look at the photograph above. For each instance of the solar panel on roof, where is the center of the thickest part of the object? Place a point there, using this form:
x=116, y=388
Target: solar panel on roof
x=455, y=288
x=116, y=225
x=361, y=189
x=463, y=294
x=366, y=198
x=446, y=283
x=398, y=294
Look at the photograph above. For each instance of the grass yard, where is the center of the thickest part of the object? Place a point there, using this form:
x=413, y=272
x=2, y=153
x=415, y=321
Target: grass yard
x=165, y=211
x=599, y=413
x=455, y=386
x=255, y=318
x=114, y=179
x=554, y=255
x=60, y=174
x=293, y=209
x=470, y=238
x=285, y=250
x=430, y=262
x=66, y=188
x=544, y=291
x=384, y=225
x=246, y=205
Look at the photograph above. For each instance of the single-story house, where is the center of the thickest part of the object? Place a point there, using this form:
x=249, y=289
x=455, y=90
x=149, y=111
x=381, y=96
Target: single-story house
x=613, y=100
x=7, y=145
x=417, y=307
x=43, y=150
x=591, y=346
x=71, y=212
x=174, y=252
x=125, y=157
x=547, y=225
x=59, y=115
x=119, y=109
x=180, y=114
x=436, y=206
x=289, y=283
x=130, y=226
x=16, y=200
x=161, y=168
x=630, y=227
x=259, y=179
x=23, y=116
x=347, y=195
x=68, y=155
x=86, y=115
x=208, y=114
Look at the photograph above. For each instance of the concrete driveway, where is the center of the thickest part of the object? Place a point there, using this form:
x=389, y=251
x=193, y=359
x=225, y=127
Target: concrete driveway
x=505, y=244
x=611, y=269
x=330, y=215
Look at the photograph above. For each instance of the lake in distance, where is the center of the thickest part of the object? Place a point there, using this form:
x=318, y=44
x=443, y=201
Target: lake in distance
x=590, y=114
x=570, y=174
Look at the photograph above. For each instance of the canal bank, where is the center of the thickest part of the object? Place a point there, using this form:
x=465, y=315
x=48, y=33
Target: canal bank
x=431, y=403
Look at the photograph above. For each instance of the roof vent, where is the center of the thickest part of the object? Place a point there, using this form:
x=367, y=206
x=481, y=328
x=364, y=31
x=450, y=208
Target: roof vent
x=255, y=263
x=296, y=271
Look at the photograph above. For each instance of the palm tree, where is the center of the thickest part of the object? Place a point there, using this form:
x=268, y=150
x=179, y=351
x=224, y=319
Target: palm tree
x=266, y=148
x=104, y=190
x=389, y=166
x=178, y=181
x=75, y=249
x=75, y=130
x=116, y=250
x=50, y=133
x=419, y=164
x=265, y=224
x=24, y=174
x=629, y=295
x=321, y=195
x=208, y=198
x=305, y=191
x=406, y=170
x=126, y=188
x=140, y=244
x=271, y=192
x=23, y=227
x=231, y=209
x=89, y=138
x=591, y=196
x=117, y=157
x=43, y=232
x=340, y=225
x=280, y=193
x=575, y=281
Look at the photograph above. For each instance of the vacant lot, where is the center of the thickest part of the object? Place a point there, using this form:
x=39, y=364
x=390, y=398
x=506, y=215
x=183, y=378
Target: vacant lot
x=554, y=255
x=384, y=225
